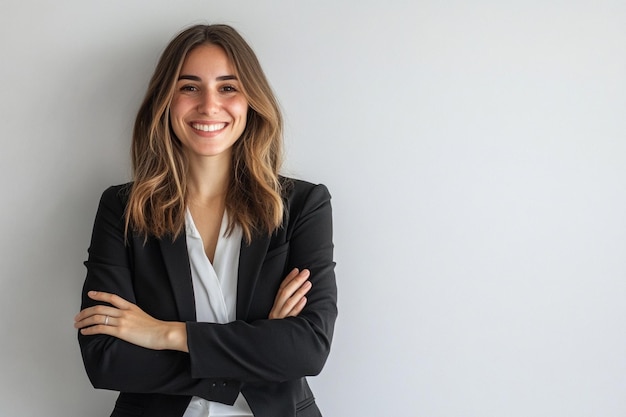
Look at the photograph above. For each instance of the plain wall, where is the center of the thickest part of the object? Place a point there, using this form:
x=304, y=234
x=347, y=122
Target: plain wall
x=476, y=154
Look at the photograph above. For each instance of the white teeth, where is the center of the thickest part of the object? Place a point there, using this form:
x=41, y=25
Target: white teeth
x=208, y=128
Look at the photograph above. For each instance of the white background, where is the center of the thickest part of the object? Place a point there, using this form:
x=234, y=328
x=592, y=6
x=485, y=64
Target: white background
x=475, y=150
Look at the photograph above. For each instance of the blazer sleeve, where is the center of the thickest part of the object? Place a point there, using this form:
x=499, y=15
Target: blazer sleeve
x=285, y=349
x=112, y=363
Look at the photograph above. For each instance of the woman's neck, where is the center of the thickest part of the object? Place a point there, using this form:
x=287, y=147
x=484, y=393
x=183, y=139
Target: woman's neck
x=208, y=179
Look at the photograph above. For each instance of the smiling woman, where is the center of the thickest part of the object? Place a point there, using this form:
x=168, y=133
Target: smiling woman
x=210, y=287
x=208, y=110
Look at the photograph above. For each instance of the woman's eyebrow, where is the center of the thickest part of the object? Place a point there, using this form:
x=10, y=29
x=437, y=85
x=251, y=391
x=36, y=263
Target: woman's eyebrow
x=226, y=77
x=189, y=77
x=196, y=78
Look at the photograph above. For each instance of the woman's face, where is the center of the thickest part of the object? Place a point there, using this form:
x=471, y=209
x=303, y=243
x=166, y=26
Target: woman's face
x=208, y=110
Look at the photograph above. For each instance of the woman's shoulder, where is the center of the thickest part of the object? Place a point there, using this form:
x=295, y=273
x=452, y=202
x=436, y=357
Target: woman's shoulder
x=300, y=193
x=116, y=194
x=298, y=188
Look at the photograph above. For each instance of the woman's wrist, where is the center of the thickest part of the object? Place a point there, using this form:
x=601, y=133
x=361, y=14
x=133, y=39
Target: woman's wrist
x=176, y=336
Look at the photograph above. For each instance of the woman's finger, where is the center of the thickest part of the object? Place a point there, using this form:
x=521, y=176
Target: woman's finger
x=113, y=299
x=99, y=329
x=95, y=320
x=97, y=315
x=290, y=277
x=297, y=309
x=283, y=307
x=296, y=298
x=97, y=310
x=292, y=283
x=290, y=293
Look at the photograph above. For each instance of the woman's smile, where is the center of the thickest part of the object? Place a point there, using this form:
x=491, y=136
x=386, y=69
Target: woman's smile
x=208, y=127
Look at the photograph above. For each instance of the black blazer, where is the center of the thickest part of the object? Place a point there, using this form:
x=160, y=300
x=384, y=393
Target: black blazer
x=267, y=360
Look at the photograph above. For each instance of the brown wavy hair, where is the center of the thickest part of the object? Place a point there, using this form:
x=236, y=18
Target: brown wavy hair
x=158, y=194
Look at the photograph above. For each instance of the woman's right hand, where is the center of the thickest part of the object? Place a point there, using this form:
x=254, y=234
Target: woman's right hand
x=290, y=299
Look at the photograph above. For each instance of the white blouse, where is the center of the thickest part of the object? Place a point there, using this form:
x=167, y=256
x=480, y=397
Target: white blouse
x=215, y=294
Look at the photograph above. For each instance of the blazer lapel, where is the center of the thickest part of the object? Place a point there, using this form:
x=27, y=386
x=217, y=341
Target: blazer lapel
x=250, y=261
x=176, y=261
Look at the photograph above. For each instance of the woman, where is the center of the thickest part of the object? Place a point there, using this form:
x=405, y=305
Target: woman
x=210, y=284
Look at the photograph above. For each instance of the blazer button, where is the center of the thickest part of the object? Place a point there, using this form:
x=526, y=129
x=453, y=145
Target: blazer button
x=214, y=385
x=224, y=383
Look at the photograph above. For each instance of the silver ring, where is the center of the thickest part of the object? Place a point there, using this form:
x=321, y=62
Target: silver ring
x=106, y=321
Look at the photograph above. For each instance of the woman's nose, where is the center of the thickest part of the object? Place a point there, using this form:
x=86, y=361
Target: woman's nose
x=209, y=103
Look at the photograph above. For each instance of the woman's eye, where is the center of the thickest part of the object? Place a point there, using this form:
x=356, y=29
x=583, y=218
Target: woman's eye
x=191, y=88
x=228, y=89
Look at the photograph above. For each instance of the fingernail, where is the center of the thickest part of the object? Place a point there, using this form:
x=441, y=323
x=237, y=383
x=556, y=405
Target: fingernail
x=93, y=292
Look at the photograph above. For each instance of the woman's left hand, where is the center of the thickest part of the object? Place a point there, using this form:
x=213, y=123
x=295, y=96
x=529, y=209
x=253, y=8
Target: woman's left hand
x=291, y=297
x=126, y=321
